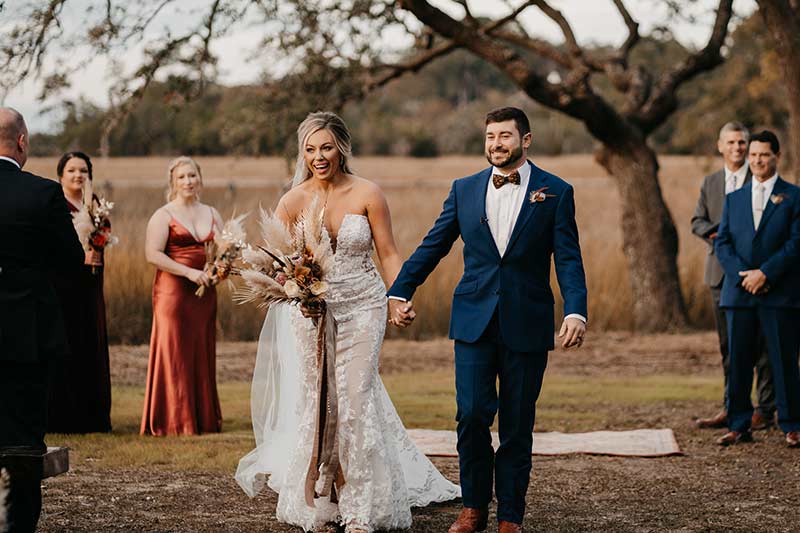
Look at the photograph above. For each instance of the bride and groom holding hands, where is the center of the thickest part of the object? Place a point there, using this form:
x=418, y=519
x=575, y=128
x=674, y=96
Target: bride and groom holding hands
x=514, y=220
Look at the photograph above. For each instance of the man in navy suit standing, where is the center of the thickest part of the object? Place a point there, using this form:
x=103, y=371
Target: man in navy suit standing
x=514, y=219
x=758, y=245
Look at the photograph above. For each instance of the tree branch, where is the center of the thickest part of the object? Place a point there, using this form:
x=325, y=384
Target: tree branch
x=633, y=31
x=664, y=99
x=413, y=65
x=573, y=97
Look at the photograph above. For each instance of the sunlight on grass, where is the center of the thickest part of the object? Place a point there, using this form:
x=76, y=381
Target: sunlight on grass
x=424, y=400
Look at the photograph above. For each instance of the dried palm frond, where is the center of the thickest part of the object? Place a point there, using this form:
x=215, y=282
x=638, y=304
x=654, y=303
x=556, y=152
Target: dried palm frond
x=84, y=226
x=292, y=263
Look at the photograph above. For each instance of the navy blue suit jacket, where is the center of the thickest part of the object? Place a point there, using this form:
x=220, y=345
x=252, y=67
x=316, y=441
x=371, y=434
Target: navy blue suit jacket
x=774, y=248
x=517, y=284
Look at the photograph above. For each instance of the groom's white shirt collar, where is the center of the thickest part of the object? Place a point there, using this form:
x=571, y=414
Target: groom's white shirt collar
x=4, y=158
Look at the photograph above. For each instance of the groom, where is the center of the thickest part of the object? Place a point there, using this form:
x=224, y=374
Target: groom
x=513, y=217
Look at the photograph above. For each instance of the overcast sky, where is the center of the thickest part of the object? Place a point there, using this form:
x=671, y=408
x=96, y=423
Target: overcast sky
x=593, y=21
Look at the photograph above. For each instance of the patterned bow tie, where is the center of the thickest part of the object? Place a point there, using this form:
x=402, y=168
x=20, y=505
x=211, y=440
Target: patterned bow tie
x=499, y=180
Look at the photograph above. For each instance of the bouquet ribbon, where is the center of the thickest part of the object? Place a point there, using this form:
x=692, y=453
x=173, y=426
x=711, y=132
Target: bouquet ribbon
x=325, y=474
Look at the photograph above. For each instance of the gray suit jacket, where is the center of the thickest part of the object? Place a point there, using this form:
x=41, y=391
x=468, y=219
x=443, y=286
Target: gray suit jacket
x=705, y=221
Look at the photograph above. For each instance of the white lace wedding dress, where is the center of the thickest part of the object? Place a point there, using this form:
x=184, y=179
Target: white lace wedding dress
x=385, y=474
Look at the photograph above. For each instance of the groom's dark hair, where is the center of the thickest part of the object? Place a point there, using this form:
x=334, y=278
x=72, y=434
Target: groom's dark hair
x=510, y=113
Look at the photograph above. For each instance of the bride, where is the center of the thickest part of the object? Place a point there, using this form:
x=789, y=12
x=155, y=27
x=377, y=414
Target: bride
x=382, y=473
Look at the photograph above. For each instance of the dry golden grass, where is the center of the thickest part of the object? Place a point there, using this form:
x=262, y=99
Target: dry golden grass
x=415, y=189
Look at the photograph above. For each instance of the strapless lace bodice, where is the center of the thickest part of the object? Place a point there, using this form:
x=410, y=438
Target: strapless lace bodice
x=354, y=281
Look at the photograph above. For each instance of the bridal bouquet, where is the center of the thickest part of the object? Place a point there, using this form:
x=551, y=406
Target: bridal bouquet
x=92, y=223
x=223, y=252
x=292, y=266
x=292, y=263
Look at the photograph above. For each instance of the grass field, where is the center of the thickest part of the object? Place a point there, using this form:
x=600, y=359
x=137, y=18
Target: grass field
x=415, y=189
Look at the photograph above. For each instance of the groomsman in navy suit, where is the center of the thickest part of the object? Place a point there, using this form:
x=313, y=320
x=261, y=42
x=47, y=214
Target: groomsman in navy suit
x=758, y=245
x=514, y=219
x=734, y=174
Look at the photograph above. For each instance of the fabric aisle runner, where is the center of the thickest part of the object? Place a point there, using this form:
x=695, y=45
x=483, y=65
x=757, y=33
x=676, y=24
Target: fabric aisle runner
x=633, y=443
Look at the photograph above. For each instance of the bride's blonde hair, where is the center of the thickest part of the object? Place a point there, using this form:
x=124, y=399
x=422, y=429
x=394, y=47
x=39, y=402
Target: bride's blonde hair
x=322, y=120
x=172, y=191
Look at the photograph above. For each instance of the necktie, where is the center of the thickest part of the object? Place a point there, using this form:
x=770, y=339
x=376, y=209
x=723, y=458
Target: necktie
x=758, y=208
x=499, y=180
x=730, y=183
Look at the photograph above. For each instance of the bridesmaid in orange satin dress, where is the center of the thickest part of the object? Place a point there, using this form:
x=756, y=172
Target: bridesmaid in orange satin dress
x=181, y=394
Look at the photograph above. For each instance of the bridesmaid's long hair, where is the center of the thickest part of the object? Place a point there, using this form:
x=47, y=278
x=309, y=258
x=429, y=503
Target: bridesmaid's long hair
x=175, y=163
x=322, y=120
x=69, y=155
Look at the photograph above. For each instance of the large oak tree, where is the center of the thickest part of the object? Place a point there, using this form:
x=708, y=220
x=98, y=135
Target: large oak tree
x=782, y=19
x=334, y=51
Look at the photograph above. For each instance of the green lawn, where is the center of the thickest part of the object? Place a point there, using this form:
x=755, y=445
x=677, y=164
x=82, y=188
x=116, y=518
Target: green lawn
x=424, y=400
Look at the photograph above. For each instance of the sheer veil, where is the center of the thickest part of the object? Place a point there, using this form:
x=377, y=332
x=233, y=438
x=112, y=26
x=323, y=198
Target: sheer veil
x=273, y=403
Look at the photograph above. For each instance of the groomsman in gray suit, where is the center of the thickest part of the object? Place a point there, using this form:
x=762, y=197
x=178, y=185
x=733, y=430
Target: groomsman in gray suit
x=735, y=173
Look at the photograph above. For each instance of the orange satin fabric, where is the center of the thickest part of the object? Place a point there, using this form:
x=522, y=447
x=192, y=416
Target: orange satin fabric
x=181, y=395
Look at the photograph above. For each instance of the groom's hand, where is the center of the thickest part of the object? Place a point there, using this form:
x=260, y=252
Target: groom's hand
x=572, y=332
x=401, y=314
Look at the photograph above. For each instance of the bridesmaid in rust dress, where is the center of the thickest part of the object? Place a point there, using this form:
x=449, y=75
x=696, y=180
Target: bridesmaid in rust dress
x=181, y=395
x=80, y=387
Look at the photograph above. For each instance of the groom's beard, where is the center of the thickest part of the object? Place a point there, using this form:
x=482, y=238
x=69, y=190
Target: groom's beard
x=503, y=158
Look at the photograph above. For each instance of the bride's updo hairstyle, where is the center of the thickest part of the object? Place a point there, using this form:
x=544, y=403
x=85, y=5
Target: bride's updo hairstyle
x=172, y=192
x=322, y=120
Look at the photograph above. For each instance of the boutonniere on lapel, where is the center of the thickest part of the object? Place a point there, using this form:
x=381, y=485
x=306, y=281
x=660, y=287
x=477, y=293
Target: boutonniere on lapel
x=778, y=198
x=539, y=195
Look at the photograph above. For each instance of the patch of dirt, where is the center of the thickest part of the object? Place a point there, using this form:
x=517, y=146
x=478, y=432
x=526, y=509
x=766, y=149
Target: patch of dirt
x=749, y=487
x=610, y=353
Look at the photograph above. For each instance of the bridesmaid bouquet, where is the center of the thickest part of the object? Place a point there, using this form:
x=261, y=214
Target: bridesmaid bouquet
x=93, y=224
x=223, y=252
x=292, y=263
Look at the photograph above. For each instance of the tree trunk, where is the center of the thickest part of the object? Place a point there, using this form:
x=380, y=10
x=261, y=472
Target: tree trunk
x=783, y=20
x=649, y=237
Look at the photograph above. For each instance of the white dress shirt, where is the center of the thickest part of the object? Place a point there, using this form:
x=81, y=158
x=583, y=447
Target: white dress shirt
x=4, y=158
x=735, y=180
x=502, y=210
x=503, y=206
x=760, y=198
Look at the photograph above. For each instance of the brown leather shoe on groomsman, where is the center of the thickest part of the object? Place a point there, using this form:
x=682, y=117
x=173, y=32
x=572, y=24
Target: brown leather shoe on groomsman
x=719, y=420
x=759, y=422
x=793, y=439
x=735, y=437
x=470, y=521
x=509, y=527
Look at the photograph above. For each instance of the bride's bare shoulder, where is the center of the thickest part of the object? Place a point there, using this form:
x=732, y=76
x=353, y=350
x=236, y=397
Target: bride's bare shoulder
x=294, y=199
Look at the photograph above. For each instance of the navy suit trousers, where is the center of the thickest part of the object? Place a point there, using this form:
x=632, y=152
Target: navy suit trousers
x=779, y=327
x=480, y=366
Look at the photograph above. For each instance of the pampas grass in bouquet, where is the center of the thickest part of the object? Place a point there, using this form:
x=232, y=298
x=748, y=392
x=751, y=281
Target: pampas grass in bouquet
x=224, y=251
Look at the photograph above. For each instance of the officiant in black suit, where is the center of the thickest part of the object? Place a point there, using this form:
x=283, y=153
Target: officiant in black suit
x=38, y=239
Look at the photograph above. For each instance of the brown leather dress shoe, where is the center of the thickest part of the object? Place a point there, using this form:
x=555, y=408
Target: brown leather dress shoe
x=793, y=439
x=719, y=420
x=508, y=527
x=470, y=520
x=759, y=422
x=734, y=437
